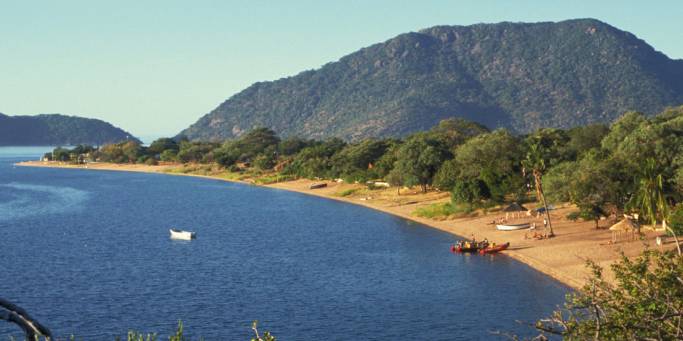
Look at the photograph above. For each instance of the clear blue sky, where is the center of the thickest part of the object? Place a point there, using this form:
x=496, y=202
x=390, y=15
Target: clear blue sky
x=154, y=67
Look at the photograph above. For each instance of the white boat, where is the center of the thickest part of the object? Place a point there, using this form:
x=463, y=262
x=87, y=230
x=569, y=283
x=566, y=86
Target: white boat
x=512, y=227
x=182, y=235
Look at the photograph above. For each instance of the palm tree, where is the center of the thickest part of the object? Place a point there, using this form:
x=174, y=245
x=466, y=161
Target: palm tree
x=536, y=163
x=650, y=200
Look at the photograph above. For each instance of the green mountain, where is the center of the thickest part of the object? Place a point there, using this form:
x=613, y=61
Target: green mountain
x=515, y=75
x=56, y=129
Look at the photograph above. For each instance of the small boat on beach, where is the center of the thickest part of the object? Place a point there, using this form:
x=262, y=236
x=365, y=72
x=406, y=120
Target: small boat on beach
x=182, y=235
x=318, y=185
x=494, y=249
x=513, y=227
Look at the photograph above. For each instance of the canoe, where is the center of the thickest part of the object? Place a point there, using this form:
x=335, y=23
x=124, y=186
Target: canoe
x=494, y=249
x=315, y=186
x=182, y=235
x=512, y=227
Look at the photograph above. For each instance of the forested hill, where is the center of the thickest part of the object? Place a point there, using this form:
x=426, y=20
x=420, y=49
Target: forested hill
x=515, y=75
x=56, y=129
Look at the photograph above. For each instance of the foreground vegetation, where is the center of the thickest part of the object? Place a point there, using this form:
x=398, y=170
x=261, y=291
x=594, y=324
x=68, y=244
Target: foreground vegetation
x=646, y=303
x=634, y=165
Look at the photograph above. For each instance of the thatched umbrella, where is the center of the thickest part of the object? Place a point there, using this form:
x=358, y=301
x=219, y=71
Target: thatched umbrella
x=514, y=208
x=626, y=227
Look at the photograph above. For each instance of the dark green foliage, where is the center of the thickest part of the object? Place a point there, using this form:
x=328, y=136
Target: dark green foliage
x=169, y=155
x=593, y=187
x=292, y=145
x=455, y=131
x=61, y=154
x=160, y=145
x=418, y=159
x=447, y=175
x=645, y=303
x=124, y=152
x=494, y=159
x=676, y=219
x=55, y=129
x=469, y=192
x=254, y=143
x=584, y=138
x=265, y=161
x=260, y=141
x=551, y=144
x=521, y=76
x=557, y=181
x=356, y=162
x=196, y=152
x=315, y=161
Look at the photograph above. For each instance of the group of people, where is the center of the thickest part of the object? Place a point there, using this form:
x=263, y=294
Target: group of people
x=473, y=243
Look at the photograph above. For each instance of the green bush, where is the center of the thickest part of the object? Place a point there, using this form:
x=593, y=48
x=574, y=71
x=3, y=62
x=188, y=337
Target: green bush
x=346, y=193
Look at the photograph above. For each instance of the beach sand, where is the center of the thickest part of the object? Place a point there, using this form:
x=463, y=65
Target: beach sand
x=562, y=257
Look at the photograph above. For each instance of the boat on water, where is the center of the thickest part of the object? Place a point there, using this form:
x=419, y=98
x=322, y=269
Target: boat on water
x=513, y=227
x=182, y=235
x=494, y=249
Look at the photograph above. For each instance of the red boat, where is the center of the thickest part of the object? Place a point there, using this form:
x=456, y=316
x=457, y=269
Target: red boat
x=494, y=249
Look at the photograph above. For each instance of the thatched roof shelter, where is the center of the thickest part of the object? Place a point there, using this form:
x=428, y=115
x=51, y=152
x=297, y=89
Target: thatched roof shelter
x=625, y=230
x=515, y=207
x=515, y=210
x=624, y=225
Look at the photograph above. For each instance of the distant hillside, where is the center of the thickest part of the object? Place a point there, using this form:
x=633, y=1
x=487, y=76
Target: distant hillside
x=56, y=129
x=515, y=75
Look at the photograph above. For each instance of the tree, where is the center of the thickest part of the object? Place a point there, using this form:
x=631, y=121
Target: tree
x=494, y=159
x=591, y=186
x=470, y=192
x=169, y=155
x=162, y=144
x=60, y=154
x=645, y=303
x=650, y=200
x=455, y=131
x=196, y=151
x=255, y=142
x=621, y=128
x=676, y=219
x=558, y=181
x=395, y=178
x=386, y=162
x=292, y=145
x=267, y=159
x=584, y=138
x=355, y=162
x=314, y=161
x=418, y=160
x=535, y=162
x=447, y=175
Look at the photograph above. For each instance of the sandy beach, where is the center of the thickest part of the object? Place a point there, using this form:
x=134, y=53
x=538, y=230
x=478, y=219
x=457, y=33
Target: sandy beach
x=563, y=257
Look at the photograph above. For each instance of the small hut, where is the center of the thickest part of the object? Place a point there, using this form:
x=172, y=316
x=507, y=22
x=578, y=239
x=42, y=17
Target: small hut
x=515, y=210
x=625, y=230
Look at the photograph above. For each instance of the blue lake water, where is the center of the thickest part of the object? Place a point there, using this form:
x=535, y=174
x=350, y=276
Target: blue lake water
x=88, y=253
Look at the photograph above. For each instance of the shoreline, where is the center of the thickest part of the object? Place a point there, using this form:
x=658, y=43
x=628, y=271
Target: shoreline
x=563, y=258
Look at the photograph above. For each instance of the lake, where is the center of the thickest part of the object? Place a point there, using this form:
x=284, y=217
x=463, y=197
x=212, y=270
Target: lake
x=88, y=253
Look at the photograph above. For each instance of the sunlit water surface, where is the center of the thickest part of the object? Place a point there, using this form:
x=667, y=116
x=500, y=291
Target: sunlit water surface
x=88, y=253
